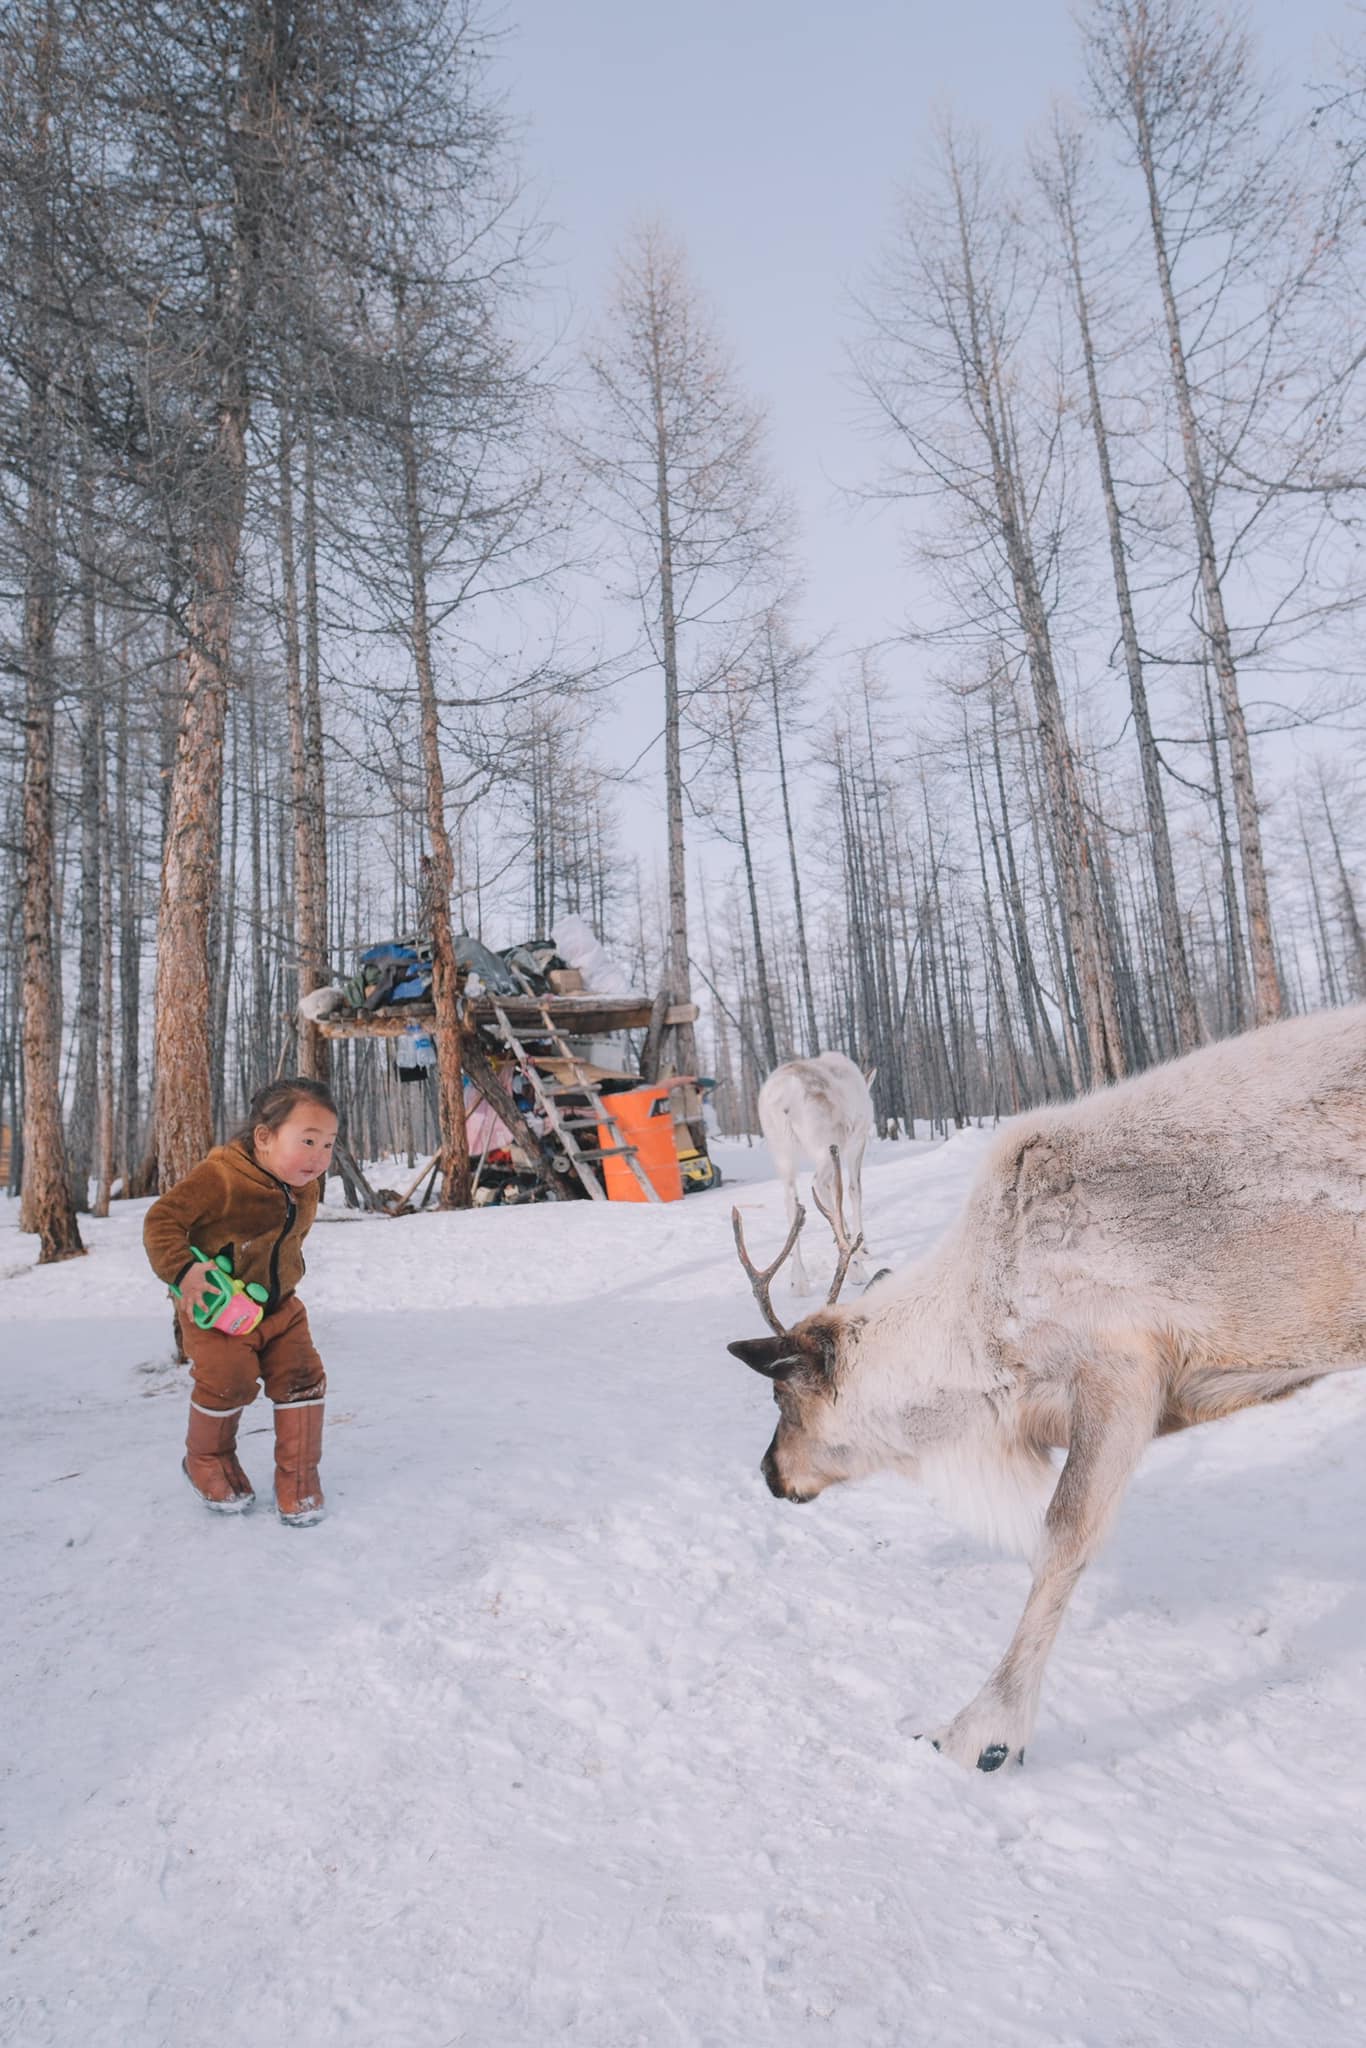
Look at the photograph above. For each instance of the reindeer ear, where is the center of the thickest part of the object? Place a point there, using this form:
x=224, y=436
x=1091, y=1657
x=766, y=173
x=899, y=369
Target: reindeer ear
x=777, y=1358
x=806, y=1354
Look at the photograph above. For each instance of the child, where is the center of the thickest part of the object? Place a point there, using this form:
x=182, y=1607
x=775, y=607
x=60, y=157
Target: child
x=254, y=1198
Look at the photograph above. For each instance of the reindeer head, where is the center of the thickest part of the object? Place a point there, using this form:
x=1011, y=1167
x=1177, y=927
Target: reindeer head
x=808, y=1451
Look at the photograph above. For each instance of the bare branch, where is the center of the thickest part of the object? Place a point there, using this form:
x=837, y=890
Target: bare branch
x=840, y=1229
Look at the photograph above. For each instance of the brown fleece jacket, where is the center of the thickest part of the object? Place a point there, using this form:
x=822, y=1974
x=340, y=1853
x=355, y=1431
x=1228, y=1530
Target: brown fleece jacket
x=230, y=1204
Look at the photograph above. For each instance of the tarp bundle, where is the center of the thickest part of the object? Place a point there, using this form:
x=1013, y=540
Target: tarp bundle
x=395, y=971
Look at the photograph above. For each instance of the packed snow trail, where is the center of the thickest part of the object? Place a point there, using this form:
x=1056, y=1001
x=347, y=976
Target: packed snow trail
x=560, y=1729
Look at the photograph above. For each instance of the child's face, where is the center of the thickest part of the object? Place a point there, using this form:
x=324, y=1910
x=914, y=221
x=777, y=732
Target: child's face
x=302, y=1147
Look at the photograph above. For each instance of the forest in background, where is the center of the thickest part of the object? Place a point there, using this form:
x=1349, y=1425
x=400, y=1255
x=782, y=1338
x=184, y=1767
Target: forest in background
x=298, y=511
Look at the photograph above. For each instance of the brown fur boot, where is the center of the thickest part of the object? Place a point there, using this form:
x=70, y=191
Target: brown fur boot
x=298, y=1447
x=210, y=1462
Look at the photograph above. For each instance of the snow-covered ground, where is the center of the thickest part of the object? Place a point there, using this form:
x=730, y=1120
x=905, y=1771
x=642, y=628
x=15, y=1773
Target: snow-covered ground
x=560, y=1729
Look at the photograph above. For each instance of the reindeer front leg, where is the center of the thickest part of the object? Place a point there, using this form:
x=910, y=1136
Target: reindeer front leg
x=1114, y=1415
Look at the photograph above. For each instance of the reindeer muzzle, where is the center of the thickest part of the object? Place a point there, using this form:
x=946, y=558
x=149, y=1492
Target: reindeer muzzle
x=776, y=1484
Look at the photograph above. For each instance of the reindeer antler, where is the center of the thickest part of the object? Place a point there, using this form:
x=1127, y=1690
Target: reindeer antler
x=760, y=1281
x=839, y=1227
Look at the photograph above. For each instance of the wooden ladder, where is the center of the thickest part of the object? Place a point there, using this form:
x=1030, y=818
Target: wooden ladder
x=565, y=1127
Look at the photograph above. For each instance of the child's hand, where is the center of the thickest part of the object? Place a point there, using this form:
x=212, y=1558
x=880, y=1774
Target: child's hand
x=194, y=1287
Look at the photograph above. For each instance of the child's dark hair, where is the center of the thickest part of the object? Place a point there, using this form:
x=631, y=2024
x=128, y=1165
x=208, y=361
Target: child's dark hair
x=274, y=1104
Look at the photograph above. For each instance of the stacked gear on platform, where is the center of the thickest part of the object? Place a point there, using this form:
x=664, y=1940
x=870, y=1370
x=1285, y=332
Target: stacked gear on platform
x=552, y=1067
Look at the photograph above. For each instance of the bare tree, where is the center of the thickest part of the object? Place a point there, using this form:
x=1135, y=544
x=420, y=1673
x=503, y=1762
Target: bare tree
x=247, y=68
x=1062, y=178
x=34, y=178
x=307, y=772
x=455, y=503
x=939, y=363
x=785, y=667
x=734, y=716
x=676, y=453
x=1177, y=83
x=251, y=145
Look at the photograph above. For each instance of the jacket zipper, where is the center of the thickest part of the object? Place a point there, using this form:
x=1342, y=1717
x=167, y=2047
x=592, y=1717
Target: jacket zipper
x=290, y=1213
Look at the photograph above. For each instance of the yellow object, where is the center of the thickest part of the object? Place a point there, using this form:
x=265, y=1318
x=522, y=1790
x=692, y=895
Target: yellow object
x=698, y=1172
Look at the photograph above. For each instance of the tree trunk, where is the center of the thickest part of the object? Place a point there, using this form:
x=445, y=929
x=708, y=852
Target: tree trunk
x=83, y=1115
x=105, y=1148
x=1076, y=879
x=438, y=866
x=1052, y=1069
x=46, y=1208
x=309, y=907
x=990, y=938
x=1235, y=986
x=1178, y=971
x=130, y=949
x=314, y=951
x=182, y=1044
x=813, y=1043
x=765, y=1004
x=1323, y=945
x=1356, y=940
x=223, y=932
x=1265, y=981
x=679, y=973
x=182, y=1041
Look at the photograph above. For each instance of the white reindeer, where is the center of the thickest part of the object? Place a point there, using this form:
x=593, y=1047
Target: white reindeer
x=805, y=1107
x=1161, y=1253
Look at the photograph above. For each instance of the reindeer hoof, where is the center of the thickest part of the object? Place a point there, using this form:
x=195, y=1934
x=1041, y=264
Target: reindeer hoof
x=963, y=1743
x=994, y=1755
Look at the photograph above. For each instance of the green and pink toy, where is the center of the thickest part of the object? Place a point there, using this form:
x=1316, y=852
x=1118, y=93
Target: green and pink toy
x=234, y=1306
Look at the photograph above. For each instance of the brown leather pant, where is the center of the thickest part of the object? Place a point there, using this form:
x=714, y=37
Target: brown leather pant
x=279, y=1352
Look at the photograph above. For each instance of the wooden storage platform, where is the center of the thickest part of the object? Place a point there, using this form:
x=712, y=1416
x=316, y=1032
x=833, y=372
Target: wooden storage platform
x=565, y=1087
x=585, y=1016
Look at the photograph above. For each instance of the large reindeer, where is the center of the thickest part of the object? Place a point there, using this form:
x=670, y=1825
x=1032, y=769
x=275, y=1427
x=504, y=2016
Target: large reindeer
x=806, y=1107
x=1164, y=1252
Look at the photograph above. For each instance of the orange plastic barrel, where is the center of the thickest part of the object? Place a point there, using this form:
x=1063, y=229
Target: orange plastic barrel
x=643, y=1119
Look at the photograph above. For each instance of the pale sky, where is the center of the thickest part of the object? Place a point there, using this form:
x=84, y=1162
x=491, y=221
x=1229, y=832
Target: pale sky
x=772, y=138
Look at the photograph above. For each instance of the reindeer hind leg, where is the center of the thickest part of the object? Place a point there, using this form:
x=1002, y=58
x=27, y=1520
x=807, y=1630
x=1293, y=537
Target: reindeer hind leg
x=854, y=1178
x=800, y=1283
